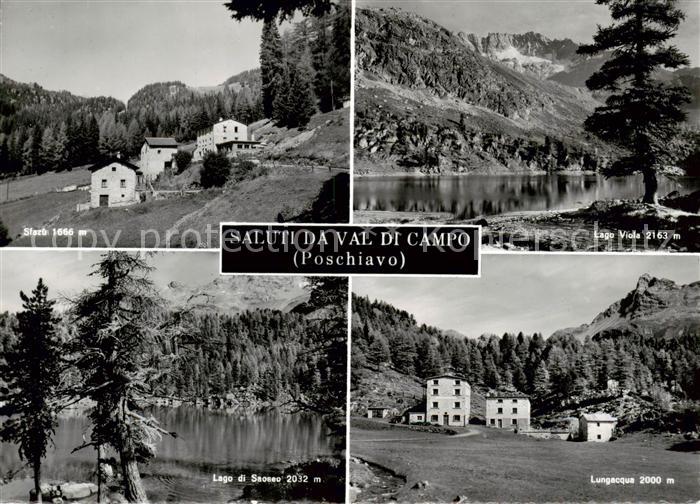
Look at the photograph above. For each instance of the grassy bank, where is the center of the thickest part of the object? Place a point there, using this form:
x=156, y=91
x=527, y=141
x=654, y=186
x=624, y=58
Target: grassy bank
x=504, y=467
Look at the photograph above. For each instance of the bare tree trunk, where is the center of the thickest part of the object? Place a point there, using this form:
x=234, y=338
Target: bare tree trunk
x=99, y=474
x=651, y=187
x=133, y=487
x=37, y=480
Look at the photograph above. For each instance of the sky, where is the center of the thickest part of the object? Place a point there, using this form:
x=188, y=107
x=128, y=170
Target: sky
x=65, y=271
x=114, y=48
x=574, y=19
x=529, y=293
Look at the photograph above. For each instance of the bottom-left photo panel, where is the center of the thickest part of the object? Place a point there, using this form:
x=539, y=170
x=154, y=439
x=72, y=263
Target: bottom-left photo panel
x=128, y=376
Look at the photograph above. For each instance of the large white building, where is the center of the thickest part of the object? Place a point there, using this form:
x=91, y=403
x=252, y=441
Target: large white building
x=596, y=426
x=114, y=183
x=157, y=156
x=448, y=399
x=508, y=410
x=225, y=136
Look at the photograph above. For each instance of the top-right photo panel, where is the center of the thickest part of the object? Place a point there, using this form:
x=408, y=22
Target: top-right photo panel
x=555, y=125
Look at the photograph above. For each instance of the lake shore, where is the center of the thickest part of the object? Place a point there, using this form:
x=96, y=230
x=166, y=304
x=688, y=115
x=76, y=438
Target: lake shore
x=616, y=225
x=421, y=174
x=498, y=466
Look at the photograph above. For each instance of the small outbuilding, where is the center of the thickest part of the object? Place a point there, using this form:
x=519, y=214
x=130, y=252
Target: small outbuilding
x=596, y=426
x=416, y=414
x=378, y=412
x=115, y=182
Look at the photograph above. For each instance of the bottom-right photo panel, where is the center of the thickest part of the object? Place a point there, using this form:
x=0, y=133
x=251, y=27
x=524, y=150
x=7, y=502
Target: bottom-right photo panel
x=549, y=378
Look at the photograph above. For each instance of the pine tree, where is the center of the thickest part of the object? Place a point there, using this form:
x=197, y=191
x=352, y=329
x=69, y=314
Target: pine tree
x=378, y=351
x=340, y=55
x=271, y=65
x=641, y=114
x=540, y=382
x=32, y=371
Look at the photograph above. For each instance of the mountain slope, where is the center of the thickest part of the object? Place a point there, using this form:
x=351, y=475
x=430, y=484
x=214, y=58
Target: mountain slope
x=656, y=308
x=426, y=100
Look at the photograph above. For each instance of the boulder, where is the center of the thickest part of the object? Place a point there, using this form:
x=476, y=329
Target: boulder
x=76, y=491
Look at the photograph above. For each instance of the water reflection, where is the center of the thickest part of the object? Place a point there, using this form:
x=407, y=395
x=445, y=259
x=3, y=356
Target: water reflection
x=208, y=442
x=467, y=196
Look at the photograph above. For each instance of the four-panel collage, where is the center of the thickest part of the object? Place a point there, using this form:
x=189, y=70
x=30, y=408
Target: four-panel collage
x=349, y=251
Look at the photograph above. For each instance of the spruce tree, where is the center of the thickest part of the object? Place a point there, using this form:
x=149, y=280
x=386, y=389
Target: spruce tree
x=32, y=371
x=641, y=114
x=271, y=65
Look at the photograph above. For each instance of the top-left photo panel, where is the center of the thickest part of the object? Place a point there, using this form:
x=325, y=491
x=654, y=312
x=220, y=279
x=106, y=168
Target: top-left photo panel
x=147, y=124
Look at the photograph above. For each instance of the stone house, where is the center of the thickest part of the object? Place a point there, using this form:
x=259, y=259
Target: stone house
x=157, y=156
x=115, y=182
x=508, y=410
x=448, y=399
x=596, y=426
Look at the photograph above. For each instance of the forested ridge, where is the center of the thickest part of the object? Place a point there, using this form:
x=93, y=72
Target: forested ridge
x=263, y=352
x=558, y=366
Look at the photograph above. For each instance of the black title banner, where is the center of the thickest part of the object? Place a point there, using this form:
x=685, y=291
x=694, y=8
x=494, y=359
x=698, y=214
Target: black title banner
x=343, y=249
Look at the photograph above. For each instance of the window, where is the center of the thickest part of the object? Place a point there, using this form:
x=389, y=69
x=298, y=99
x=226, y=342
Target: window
x=493, y=421
x=458, y=404
x=499, y=401
x=158, y=151
x=456, y=418
x=235, y=129
x=458, y=391
x=433, y=418
x=514, y=422
x=114, y=168
x=515, y=401
x=458, y=382
x=597, y=424
x=122, y=183
x=515, y=410
x=435, y=404
x=599, y=436
x=500, y=410
x=104, y=183
x=435, y=382
x=435, y=391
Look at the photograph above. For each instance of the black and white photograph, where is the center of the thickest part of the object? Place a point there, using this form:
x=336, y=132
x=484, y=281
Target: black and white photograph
x=151, y=378
x=146, y=124
x=556, y=125
x=552, y=378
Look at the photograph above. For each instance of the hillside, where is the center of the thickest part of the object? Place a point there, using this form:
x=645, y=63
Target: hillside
x=649, y=342
x=426, y=100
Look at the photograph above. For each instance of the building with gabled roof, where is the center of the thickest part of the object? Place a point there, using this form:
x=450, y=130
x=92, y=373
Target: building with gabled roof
x=597, y=426
x=115, y=182
x=157, y=156
x=228, y=136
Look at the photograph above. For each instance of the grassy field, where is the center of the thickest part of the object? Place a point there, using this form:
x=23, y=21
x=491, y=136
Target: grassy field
x=191, y=220
x=493, y=466
x=12, y=190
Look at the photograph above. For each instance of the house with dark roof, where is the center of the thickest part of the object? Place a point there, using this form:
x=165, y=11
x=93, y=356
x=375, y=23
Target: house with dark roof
x=508, y=410
x=115, y=182
x=157, y=156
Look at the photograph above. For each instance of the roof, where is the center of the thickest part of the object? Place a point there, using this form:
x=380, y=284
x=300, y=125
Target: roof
x=416, y=408
x=227, y=142
x=507, y=394
x=378, y=407
x=598, y=417
x=446, y=375
x=109, y=161
x=161, y=142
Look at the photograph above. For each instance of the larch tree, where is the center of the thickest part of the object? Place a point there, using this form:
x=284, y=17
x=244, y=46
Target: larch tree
x=640, y=114
x=119, y=361
x=32, y=371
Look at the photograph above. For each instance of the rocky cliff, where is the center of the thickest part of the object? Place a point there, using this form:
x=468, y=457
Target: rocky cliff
x=433, y=101
x=647, y=311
